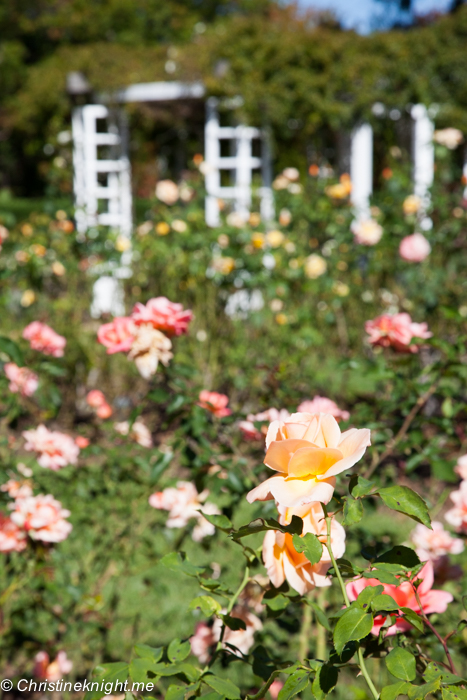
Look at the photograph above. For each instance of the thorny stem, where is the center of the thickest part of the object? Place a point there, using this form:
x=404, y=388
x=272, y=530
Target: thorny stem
x=437, y=635
x=361, y=660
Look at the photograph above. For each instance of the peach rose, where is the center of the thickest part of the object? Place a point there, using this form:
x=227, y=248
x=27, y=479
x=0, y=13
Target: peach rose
x=150, y=347
x=46, y=671
x=167, y=191
x=117, y=336
x=283, y=562
x=433, y=544
x=56, y=450
x=82, y=442
x=248, y=428
x=44, y=339
x=308, y=450
x=16, y=489
x=396, y=331
x=42, y=517
x=321, y=404
x=22, y=380
x=414, y=248
x=12, y=538
x=404, y=595
x=367, y=232
x=104, y=411
x=457, y=516
x=163, y=315
x=95, y=398
x=450, y=138
x=215, y=403
x=411, y=204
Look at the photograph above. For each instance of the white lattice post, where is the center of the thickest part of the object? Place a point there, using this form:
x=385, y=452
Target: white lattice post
x=361, y=169
x=211, y=157
x=267, y=198
x=423, y=153
x=243, y=173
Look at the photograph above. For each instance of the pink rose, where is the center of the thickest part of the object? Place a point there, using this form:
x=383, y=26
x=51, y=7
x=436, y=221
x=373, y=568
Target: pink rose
x=282, y=560
x=117, y=336
x=164, y=315
x=367, y=232
x=321, y=404
x=44, y=339
x=12, y=538
x=414, y=248
x=396, y=331
x=16, y=489
x=457, y=516
x=104, y=411
x=308, y=450
x=249, y=431
x=433, y=544
x=56, y=450
x=140, y=433
x=214, y=402
x=42, y=517
x=461, y=467
x=22, y=380
x=82, y=442
x=432, y=601
x=95, y=398
x=46, y=671
x=185, y=503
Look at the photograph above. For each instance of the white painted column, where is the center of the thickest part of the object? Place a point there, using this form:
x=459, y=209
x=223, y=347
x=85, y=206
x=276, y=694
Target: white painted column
x=243, y=173
x=423, y=153
x=211, y=157
x=361, y=169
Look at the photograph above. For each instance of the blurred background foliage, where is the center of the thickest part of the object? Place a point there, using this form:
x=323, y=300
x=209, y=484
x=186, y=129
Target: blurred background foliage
x=296, y=72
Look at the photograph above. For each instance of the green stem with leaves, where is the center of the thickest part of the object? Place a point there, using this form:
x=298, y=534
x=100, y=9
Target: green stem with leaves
x=361, y=660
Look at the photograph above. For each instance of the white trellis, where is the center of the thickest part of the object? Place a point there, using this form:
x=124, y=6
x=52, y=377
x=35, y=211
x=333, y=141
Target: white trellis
x=102, y=189
x=242, y=163
x=361, y=161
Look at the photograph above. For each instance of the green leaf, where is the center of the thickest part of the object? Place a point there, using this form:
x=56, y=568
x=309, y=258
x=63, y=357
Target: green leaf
x=320, y=615
x=324, y=681
x=108, y=673
x=403, y=556
x=310, y=546
x=384, y=602
x=453, y=693
x=178, y=562
x=383, y=576
x=404, y=500
x=418, y=692
x=176, y=692
x=178, y=651
x=433, y=671
x=353, y=511
x=208, y=605
x=359, y=486
x=392, y=692
x=401, y=663
x=139, y=670
x=233, y=623
x=414, y=619
x=12, y=349
x=262, y=525
x=354, y=624
x=160, y=466
x=294, y=684
x=366, y=596
x=188, y=670
x=278, y=602
x=220, y=521
x=146, y=652
x=222, y=686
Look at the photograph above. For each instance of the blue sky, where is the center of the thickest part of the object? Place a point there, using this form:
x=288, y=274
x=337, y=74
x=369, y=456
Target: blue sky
x=358, y=14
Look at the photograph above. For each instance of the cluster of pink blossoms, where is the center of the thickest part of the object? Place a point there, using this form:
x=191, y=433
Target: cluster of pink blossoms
x=457, y=516
x=96, y=399
x=40, y=517
x=307, y=451
x=145, y=334
x=207, y=636
x=44, y=339
x=185, y=503
x=215, y=403
x=22, y=380
x=396, y=331
x=55, y=449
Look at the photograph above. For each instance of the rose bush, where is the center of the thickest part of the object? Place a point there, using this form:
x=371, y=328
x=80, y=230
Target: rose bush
x=137, y=501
